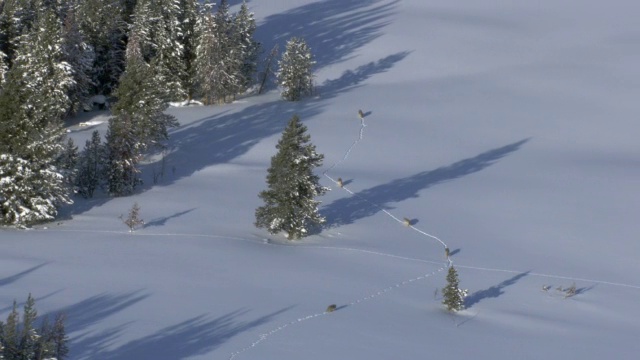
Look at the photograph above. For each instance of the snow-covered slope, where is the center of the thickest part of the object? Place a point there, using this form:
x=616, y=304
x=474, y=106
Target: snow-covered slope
x=507, y=129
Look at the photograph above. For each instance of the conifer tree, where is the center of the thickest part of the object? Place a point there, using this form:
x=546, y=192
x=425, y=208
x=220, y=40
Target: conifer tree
x=453, y=296
x=58, y=338
x=133, y=219
x=218, y=59
x=10, y=334
x=123, y=154
x=141, y=97
x=188, y=19
x=28, y=334
x=90, y=166
x=290, y=204
x=104, y=29
x=244, y=28
x=32, y=102
x=157, y=28
x=295, y=70
x=80, y=57
x=67, y=162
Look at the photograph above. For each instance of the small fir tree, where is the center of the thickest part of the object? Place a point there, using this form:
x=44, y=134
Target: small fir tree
x=453, y=296
x=290, y=204
x=295, y=70
x=133, y=219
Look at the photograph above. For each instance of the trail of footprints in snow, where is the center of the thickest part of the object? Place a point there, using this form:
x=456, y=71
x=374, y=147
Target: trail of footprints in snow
x=264, y=336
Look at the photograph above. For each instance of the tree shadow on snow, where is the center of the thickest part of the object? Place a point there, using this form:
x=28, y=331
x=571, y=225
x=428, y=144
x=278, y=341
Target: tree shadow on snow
x=195, y=336
x=11, y=279
x=492, y=292
x=350, y=209
x=333, y=29
x=352, y=79
x=163, y=220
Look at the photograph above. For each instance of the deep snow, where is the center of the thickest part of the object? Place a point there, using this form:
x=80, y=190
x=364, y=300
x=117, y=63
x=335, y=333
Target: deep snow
x=507, y=129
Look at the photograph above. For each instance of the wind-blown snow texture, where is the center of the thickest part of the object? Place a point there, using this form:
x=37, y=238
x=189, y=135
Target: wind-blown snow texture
x=508, y=130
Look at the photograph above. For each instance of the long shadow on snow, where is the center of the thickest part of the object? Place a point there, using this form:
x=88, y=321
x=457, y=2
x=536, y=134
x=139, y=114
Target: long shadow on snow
x=196, y=336
x=10, y=279
x=82, y=316
x=348, y=210
x=492, y=292
x=352, y=79
x=333, y=29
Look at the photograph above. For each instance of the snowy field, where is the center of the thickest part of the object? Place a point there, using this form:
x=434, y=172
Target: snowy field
x=506, y=129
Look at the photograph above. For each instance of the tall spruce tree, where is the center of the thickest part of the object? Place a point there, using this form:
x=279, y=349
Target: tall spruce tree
x=32, y=102
x=80, y=57
x=188, y=19
x=139, y=124
x=295, y=74
x=104, y=29
x=453, y=296
x=218, y=55
x=248, y=47
x=290, y=204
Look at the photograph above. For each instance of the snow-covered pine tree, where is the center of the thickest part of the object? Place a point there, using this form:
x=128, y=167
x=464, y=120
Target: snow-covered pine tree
x=290, y=204
x=32, y=102
x=168, y=63
x=58, y=338
x=133, y=219
x=453, y=296
x=158, y=31
x=207, y=67
x=80, y=56
x=10, y=333
x=141, y=98
x=16, y=19
x=9, y=31
x=188, y=19
x=295, y=74
x=218, y=61
x=20, y=340
x=244, y=28
x=90, y=166
x=104, y=29
x=139, y=123
x=28, y=337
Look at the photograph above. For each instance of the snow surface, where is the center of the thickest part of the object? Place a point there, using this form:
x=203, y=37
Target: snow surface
x=506, y=129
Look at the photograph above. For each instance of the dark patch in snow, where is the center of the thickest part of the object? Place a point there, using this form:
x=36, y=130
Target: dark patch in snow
x=10, y=279
x=163, y=220
x=348, y=210
x=192, y=337
x=492, y=292
x=352, y=79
